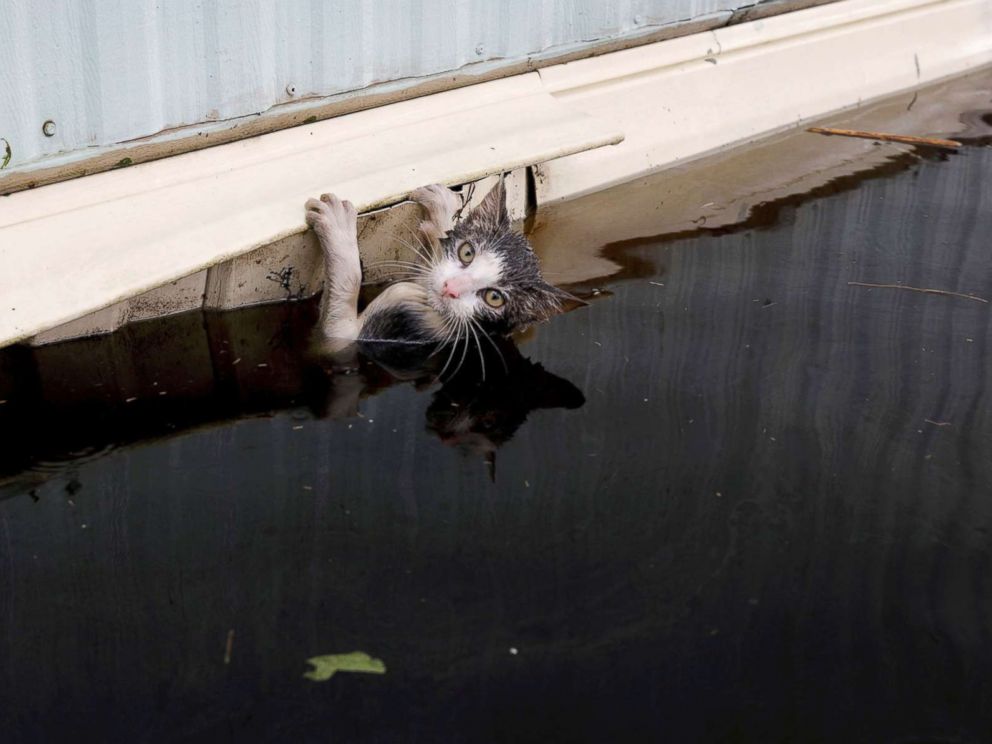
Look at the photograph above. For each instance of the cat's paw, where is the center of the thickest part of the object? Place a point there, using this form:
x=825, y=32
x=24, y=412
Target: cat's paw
x=332, y=218
x=441, y=207
x=440, y=202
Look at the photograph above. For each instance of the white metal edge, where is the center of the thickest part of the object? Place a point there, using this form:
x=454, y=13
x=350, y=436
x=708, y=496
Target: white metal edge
x=268, y=148
x=573, y=76
x=73, y=248
x=682, y=99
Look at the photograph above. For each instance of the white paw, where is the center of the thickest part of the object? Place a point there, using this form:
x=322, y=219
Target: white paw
x=332, y=218
x=438, y=201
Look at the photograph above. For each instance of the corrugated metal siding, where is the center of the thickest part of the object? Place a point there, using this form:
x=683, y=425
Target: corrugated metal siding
x=108, y=71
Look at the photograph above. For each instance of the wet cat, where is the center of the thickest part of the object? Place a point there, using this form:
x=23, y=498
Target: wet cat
x=475, y=277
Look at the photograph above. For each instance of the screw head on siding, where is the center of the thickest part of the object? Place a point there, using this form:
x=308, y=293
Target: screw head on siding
x=638, y=20
x=291, y=90
x=480, y=49
x=48, y=128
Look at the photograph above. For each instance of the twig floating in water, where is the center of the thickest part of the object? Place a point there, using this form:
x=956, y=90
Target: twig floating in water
x=926, y=290
x=886, y=137
x=229, y=646
x=938, y=423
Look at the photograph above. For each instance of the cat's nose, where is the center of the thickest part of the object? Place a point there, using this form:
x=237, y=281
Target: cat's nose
x=448, y=290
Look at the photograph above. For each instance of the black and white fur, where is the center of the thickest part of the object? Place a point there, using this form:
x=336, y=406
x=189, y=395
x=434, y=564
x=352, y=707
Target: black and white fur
x=473, y=278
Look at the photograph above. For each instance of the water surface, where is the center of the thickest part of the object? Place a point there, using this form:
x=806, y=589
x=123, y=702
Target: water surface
x=739, y=499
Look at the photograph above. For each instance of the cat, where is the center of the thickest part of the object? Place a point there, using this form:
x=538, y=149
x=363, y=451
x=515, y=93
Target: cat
x=473, y=277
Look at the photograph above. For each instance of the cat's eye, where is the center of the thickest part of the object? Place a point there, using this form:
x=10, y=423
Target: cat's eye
x=494, y=298
x=466, y=253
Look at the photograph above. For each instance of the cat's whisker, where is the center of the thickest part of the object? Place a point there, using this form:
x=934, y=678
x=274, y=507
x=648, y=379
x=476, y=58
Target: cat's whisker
x=428, y=258
x=461, y=361
x=430, y=251
x=451, y=354
x=413, y=267
x=410, y=248
x=460, y=326
x=492, y=343
x=398, y=272
x=447, y=331
x=450, y=338
x=401, y=271
x=447, y=328
x=478, y=347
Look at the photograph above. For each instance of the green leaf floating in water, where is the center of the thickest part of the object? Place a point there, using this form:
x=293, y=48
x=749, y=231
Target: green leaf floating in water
x=324, y=667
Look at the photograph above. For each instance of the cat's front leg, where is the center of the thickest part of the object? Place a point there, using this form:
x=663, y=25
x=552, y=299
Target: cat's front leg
x=440, y=205
x=336, y=224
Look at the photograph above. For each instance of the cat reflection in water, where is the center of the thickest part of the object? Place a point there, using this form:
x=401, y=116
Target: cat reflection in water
x=472, y=280
x=467, y=412
x=479, y=417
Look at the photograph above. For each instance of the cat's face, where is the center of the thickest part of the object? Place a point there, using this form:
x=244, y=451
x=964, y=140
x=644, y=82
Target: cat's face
x=488, y=274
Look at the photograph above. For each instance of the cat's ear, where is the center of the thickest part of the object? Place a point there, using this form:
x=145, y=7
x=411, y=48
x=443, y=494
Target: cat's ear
x=491, y=214
x=549, y=301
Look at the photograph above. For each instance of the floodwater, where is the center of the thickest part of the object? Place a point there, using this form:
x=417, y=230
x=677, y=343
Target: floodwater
x=736, y=498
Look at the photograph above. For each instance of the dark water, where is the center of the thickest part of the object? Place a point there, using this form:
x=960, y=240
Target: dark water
x=740, y=500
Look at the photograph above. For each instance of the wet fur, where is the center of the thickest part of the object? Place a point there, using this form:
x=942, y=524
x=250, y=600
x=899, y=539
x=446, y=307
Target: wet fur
x=418, y=310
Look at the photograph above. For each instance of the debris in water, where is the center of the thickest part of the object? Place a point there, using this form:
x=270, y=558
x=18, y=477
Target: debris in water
x=325, y=667
x=513, y=651
x=925, y=290
x=938, y=423
x=229, y=646
x=887, y=137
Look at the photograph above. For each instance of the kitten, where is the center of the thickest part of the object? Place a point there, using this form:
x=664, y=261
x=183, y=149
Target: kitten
x=473, y=278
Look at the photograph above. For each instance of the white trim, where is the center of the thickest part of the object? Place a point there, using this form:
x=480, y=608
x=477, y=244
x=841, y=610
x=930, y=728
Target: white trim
x=73, y=248
x=683, y=98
